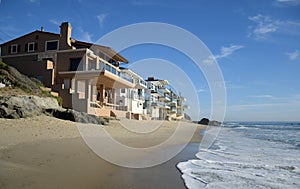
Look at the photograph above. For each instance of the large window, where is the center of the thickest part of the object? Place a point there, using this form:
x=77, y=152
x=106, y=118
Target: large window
x=51, y=45
x=75, y=63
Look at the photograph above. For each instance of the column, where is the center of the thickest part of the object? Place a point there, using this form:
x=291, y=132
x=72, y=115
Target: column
x=97, y=63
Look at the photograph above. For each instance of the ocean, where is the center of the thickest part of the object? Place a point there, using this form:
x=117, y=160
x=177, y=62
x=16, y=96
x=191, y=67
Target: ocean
x=247, y=155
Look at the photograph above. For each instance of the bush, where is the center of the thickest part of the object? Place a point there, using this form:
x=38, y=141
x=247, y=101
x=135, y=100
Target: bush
x=3, y=66
x=59, y=100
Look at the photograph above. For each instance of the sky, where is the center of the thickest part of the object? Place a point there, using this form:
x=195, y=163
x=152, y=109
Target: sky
x=255, y=43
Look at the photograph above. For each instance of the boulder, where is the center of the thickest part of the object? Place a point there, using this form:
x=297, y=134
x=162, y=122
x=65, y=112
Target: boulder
x=203, y=121
x=14, y=107
x=214, y=123
x=24, y=106
x=76, y=116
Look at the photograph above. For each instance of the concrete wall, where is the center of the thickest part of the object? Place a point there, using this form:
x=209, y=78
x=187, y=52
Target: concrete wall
x=136, y=107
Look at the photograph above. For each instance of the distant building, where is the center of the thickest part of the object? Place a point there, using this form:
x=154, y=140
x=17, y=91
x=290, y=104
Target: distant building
x=162, y=102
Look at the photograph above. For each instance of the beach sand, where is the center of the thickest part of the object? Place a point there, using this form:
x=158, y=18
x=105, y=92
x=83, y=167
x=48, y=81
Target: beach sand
x=44, y=152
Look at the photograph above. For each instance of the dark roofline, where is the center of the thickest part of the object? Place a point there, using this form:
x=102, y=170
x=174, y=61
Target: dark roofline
x=36, y=31
x=110, y=51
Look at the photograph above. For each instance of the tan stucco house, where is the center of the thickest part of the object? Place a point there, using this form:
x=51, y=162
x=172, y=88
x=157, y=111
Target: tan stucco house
x=85, y=75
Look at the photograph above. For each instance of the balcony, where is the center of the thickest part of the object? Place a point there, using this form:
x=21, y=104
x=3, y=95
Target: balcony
x=159, y=92
x=101, y=71
x=165, y=98
x=141, y=84
x=173, y=109
x=164, y=89
x=137, y=97
x=167, y=106
x=157, y=104
x=174, y=100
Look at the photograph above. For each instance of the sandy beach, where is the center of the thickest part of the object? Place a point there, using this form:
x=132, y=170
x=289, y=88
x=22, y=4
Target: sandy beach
x=44, y=152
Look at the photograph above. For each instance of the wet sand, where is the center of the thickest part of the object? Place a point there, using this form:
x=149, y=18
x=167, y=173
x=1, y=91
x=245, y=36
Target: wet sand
x=44, y=152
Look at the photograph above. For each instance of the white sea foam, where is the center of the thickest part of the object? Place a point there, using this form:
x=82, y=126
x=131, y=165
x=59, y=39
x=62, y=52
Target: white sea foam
x=236, y=161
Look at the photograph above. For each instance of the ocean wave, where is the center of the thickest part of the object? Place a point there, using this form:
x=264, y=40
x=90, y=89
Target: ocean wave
x=237, y=161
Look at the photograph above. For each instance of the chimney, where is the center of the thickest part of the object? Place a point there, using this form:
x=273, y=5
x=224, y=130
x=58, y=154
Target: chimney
x=65, y=36
x=151, y=78
x=42, y=28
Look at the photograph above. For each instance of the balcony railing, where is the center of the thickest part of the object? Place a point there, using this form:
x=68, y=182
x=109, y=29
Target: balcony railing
x=173, y=109
x=167, y=97
x=137, y=97
x=125, y=76
x=160, y=92
x=104, y=65
x=157, y=103
x=143, y=83
x=174, y=100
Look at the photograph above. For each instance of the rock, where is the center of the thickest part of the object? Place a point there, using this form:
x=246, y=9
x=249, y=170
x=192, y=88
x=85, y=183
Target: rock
x=187, y=117
x=203, y=121
x=14, y=107
x=2, y=85
x=206, y=121
x=76, y=116
x=214, y=123
x=25, y=106
x=13, y=77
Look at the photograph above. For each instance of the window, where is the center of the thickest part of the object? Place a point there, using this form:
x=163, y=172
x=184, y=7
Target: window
x=51, y=45
x=122, y=90
x=14, y=48
x=75, y=63
x=66, y=83
x=31, y=47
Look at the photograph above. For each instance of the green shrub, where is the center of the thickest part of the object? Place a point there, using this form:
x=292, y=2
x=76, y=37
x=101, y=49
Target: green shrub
x=59, y=100
x=3, y=66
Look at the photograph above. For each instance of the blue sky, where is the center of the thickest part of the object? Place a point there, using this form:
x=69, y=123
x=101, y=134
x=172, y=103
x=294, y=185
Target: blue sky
x=256, y=43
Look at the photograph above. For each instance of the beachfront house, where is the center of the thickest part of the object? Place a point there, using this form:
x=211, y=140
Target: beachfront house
x=133, y=99
x=85, y=75
x=88, y=77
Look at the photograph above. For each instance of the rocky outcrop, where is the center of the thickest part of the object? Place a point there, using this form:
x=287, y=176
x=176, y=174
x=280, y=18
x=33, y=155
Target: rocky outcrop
x=203, y=121
x=72, y=115
x=12, y=77
x=14, y=107
x=187, y=117
x=206, y=121
x=214, y=123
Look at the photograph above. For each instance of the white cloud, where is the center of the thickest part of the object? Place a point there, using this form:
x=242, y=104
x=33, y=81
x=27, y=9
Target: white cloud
x=293, y=55
x=201, y=90
x=264, y=26
x=55, y=22
x=288, y=2
x=225, y=52
x=261, y=96
x=84, y=35
x=101, y=18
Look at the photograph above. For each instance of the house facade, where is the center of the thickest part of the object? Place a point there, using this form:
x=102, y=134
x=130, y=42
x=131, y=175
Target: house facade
x=88, y=76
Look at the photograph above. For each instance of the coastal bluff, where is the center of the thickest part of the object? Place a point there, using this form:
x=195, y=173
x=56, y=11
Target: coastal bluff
x=14, y=107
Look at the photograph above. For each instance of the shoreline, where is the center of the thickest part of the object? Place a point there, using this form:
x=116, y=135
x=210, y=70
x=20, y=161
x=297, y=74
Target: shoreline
x=36, y=154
